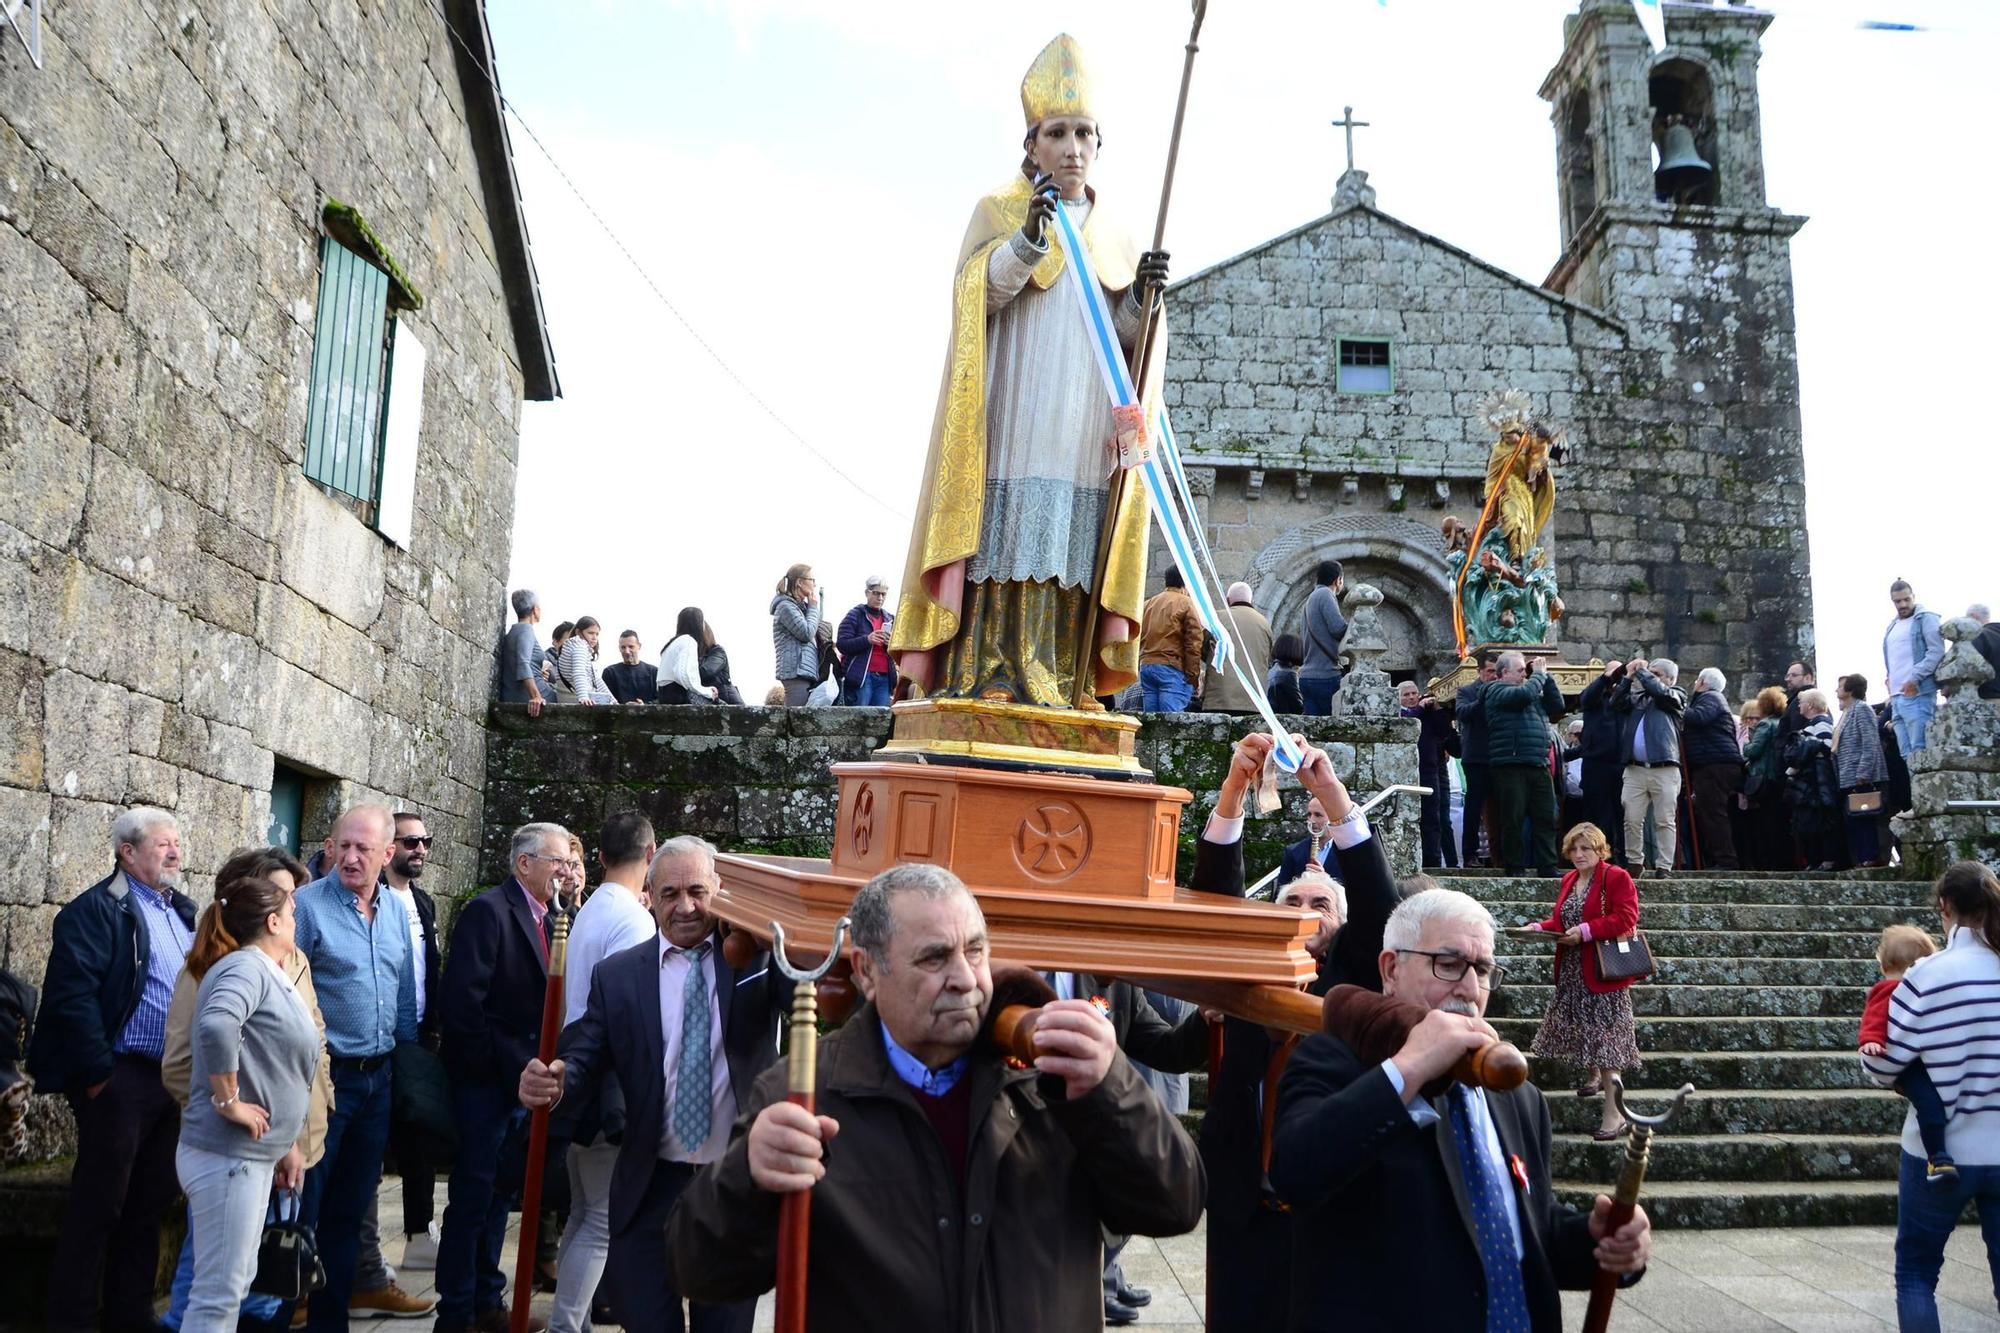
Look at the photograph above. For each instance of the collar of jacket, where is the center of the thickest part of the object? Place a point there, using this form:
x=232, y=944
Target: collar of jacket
x=857, y=1065
x=119, y=886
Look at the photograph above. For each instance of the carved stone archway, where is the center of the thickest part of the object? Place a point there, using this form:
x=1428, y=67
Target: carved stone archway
x=1401, y=556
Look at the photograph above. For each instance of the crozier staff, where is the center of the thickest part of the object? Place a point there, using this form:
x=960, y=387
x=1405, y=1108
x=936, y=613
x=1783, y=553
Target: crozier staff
x=962, y=1194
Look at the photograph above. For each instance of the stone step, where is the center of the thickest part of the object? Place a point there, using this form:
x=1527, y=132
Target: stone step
x=1850, y=1111
x=1671, y=970
x=1848, y=944
x=1701, y=1205
x=1668, y=1000
x=1717, y=1034
x=1735, y=1157
x=1750, y=1070
x=1879, y=874
x=1688, y=889
x=1866, y=919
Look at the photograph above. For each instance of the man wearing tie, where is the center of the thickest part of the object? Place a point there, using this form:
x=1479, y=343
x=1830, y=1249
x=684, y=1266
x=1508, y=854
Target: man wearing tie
x=686, y=1034
x=491, y=1011
x=1313, y=850
x=1426, y=1203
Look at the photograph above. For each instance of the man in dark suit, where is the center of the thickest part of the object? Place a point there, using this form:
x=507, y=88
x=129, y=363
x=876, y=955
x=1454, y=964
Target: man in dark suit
x=1300, y=855
x=491, y=999
x=1249, y=1229
x=1421, y=1207
x=686, y=1034
x=1603, y=757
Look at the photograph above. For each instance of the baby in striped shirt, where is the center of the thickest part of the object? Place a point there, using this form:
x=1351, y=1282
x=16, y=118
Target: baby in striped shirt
x=1902, y=946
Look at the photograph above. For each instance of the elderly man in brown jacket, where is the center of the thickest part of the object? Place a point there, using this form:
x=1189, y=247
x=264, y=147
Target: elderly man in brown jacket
x=1224, y=693
x=963, y=1194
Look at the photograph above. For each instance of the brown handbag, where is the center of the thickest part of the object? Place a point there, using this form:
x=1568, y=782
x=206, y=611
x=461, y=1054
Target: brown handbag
x=1867, y=802
x=1625, y=958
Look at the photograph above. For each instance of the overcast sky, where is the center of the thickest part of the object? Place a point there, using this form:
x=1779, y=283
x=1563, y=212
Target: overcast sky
x=795, y=176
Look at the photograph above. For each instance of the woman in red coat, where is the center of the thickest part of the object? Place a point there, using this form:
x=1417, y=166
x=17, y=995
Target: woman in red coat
x=1589, y=1022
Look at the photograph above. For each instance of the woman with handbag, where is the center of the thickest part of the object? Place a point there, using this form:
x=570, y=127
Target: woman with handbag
x=1599, y=954
x=256, y=1051
x=1862, y=770
x=1764, y=784
x=1812, y=787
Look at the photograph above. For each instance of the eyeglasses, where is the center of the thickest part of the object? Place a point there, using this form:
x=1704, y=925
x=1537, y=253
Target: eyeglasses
x=411, y=844
x=1452, y=967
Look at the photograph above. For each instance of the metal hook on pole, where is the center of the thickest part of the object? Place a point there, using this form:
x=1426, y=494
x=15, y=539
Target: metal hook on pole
x=1638, y=1149
x=801, y=1079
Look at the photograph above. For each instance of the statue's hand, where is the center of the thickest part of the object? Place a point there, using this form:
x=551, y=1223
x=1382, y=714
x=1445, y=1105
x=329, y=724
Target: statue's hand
x=1041, y=207
x=1152, y=275
x=1555, y=608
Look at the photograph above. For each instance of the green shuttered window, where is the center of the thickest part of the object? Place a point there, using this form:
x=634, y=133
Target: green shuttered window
x=350, y=351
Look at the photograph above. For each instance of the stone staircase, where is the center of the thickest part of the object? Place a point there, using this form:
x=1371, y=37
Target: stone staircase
x=1756, y=1001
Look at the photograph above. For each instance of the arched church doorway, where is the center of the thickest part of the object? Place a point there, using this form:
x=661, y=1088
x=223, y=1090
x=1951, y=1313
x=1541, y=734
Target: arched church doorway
x=1401, y=557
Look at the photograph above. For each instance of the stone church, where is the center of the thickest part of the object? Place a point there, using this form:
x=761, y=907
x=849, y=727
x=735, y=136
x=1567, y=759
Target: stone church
x=1325, y=385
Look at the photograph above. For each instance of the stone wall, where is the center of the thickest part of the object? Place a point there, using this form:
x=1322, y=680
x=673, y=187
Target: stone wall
x=179, y=608
x=757, y=779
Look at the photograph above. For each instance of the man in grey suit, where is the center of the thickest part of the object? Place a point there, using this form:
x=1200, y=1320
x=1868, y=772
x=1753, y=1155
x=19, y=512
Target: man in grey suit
x=686, y=1034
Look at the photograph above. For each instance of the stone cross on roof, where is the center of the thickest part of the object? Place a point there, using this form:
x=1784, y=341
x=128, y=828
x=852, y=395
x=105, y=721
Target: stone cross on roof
x=1348, y=123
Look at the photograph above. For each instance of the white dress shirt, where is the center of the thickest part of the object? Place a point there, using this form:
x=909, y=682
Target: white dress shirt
x=674, y=963
x=610, y=922
x=1425, y=1115
x=409, y=901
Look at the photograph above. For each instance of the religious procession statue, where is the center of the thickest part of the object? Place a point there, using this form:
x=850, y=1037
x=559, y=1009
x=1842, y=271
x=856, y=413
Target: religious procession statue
x=1504, y=578
x=1004, y=559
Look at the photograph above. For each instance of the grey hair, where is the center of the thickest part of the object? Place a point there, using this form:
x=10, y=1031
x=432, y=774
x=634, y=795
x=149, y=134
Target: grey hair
x=1320, y=877
x=132, y=826
x=1665, y=668
x=528, y=838
x=1979, y=611
x=872, y=914
x=1508, y=660
x=524, y=601
x=1816, y=700
x=1414, y=914
x=687, y=844
x=1711, y=678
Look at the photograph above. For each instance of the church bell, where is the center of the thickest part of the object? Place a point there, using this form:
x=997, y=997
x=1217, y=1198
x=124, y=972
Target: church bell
x=1681, y=167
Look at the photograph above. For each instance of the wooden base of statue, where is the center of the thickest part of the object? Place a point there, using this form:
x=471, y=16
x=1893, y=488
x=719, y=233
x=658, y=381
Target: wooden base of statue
x=1569, y=679
x=1074, y=872
x=1017, y=737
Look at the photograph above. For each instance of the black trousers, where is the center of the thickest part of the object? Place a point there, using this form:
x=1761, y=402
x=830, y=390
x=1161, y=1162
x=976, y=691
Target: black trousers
x=123, y=1182
x=1434, y=819
x=1250, y=1274
x=1603, y=804
x=1714, y=794
x=1525, y=793
x=642, y=1292
x=1478, y=788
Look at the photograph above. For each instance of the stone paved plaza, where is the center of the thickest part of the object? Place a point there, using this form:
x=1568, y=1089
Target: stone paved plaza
x=1813, y=1280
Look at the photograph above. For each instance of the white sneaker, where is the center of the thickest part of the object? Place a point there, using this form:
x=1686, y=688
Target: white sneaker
x=421, y=1250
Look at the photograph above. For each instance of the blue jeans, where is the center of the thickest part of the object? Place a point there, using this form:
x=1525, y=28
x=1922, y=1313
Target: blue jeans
x=340, y=1189
x=483, y=1180
x=876, y=687
x=1926, y=1212
x=1912, y=718
x=1318, y=692
x=1163, y=689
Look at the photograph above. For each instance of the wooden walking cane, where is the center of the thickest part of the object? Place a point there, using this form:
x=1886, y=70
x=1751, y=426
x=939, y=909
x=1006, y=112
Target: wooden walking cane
x=538, y=1124
x=1638, y=1144
x=801, y=1077
x=1086, y=647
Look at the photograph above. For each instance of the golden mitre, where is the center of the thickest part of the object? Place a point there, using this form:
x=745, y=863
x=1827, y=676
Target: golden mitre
x=1057, y=83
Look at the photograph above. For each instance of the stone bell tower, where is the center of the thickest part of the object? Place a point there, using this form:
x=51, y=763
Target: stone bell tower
x=1689, y=479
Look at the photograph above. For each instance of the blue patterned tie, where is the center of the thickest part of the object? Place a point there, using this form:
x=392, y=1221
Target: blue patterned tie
x=1506, y=1295
x=692, y=1108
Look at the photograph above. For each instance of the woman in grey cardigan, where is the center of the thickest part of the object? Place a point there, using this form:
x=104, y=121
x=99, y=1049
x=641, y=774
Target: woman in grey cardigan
x=1861, y=766
x=255, y=1051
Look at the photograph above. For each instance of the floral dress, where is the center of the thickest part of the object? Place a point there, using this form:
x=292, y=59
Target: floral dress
x=1584, y=1027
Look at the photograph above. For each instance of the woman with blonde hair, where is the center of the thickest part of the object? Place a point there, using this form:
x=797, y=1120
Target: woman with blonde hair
x=1764, y=783
x=796, y=613
x=1589, y=1022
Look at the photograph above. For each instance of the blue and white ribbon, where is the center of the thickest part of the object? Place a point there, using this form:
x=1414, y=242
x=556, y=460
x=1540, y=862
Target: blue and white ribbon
x=1165, y=481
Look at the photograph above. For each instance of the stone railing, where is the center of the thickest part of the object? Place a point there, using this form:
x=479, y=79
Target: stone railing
x=758, y=779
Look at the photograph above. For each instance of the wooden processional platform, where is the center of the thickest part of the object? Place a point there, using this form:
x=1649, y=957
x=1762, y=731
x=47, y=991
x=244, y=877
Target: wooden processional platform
x=1070, y=852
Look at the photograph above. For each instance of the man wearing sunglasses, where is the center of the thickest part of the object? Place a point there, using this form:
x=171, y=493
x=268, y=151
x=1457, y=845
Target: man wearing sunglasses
x=1429, y=1204
x=407, y=859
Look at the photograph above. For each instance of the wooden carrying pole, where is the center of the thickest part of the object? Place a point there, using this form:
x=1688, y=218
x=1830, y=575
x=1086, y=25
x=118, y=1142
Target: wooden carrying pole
x=1086, y=646
x=801, y=1080
x=538, y=1126
x=1638, y=1146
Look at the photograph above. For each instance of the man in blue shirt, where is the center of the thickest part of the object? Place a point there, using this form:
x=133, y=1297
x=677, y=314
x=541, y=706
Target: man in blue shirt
x=358, y=941
x=116, y=950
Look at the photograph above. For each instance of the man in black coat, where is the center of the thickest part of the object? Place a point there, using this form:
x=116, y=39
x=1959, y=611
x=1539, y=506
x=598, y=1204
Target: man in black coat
x=491, y=1001
x=1603, y=757
x=1430, y=1205
x=1715, y=769
x=1437, y=741
x=1249, y=1229
x=1299, y=856
x=113, y=957
x=637, y=1026
x=1469, y=711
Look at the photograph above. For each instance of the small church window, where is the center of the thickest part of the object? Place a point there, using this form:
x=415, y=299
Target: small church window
x=1366, y=365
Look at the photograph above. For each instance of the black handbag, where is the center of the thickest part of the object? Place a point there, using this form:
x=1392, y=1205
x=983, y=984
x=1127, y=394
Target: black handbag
x=420, y=1101
x=288, y=1265
x=1624, y=958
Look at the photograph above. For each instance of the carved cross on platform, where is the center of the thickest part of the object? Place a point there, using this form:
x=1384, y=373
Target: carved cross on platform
x=1348, y=123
